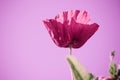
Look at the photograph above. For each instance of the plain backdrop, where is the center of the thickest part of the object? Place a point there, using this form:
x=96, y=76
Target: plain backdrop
x=27, y=51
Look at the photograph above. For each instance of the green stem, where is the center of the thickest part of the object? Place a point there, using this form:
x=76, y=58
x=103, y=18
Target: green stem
x=70, y=50
x=71, y=54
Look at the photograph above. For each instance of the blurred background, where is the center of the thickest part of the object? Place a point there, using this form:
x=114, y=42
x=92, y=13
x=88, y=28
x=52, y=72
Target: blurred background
x=27, y=51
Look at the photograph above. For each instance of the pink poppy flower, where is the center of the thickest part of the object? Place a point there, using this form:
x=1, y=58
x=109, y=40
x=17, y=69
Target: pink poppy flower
x=71, y=28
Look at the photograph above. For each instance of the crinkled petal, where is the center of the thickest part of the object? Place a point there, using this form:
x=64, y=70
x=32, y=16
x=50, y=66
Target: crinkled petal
x=58, y=32
x=83, y=17
x=73, y=14
x=62, y=35
x=79, y=16
x=83, y=33
x=62, y=17
x=52, y=29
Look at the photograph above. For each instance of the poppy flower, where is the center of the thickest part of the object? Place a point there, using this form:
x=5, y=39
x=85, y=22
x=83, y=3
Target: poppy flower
x=71, y=28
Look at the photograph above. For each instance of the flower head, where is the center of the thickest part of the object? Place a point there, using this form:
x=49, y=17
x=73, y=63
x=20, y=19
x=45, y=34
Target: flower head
x=71, y=28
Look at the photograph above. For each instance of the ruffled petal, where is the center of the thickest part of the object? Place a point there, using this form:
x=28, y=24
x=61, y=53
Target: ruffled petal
x=58, y=32
x=52, y=29
x=83, y=17
x=62, y=35
x=66, y=16
x=83, y=33
x=62, y=17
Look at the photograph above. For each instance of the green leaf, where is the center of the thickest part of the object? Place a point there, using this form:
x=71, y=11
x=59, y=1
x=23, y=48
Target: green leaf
x=79, y=72
x=113, y=67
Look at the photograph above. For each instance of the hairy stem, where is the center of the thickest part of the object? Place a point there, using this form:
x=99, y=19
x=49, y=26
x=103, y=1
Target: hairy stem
x=71, y=54
x=70, y=50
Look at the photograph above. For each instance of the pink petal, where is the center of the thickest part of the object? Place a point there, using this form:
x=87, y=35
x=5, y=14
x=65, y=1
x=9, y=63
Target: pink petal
x=57, y=32
x=52, y=29
x=83, y=33
x=83, y=17
x=79, y=16
x=61, y=17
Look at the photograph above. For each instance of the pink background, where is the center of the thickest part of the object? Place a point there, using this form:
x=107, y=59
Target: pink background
x=27, y=51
